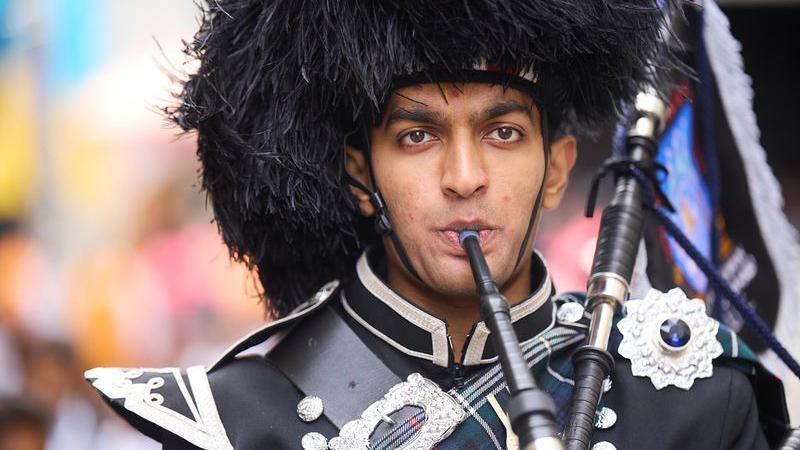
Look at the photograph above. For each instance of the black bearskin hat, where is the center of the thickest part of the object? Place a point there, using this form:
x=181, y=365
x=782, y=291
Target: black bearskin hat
x=281, y=82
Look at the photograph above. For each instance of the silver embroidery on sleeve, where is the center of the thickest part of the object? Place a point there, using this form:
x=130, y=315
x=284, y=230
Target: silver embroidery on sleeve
x=643, y=345
x=442, y=411
x=205, y=431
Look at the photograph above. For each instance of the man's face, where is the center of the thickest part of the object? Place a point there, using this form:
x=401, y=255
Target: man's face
x=453, y=157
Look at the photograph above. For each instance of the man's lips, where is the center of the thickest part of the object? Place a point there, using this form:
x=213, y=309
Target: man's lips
x=450, y=232
x=454, y=236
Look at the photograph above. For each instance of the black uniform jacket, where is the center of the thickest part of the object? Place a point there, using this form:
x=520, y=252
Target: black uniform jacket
x=249, y=402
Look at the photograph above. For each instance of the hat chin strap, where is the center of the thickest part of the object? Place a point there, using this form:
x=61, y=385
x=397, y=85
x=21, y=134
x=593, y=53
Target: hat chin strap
x=537, y=205
x=383, y=224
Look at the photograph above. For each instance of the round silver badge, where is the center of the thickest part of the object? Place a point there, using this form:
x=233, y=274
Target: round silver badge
x=310, y=408
x=669, y=338
x=604, y=445
x=570, y=312
x=314, y=441
x=605, y=418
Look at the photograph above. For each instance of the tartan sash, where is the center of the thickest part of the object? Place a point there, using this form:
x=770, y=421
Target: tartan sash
x=482, y=428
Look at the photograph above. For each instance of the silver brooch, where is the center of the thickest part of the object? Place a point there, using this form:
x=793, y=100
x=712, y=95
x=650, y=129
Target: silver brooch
x=669, y=339
x=309, y=408
x=443, y=413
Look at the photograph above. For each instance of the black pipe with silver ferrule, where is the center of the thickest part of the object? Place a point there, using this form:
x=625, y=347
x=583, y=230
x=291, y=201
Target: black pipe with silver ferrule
x=608, y=286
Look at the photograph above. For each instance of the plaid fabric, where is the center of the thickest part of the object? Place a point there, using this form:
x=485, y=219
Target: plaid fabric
x=548, y=356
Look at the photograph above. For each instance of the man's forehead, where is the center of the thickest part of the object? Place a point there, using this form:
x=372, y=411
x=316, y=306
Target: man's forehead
x=444, y=95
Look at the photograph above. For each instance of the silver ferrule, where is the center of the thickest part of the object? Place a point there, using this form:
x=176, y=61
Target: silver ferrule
x=600, y=326
x=652, y=112
x=605, y=291
x=606, y=287
x=645, y=127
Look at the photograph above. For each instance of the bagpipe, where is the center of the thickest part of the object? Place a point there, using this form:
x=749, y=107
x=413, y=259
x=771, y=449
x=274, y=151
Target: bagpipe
x=638, y=173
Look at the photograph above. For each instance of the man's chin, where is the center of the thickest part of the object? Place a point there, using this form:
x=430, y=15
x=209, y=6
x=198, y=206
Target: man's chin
x=452, y=281
x=457, y=291
x=453, y=274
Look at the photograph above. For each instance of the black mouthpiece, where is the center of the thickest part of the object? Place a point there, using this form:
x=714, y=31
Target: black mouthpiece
x=480, y=269
x=467, y=233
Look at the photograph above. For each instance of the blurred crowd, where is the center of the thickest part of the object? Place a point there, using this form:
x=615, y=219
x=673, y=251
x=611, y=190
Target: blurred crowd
x=166, y=296
x=108, y=255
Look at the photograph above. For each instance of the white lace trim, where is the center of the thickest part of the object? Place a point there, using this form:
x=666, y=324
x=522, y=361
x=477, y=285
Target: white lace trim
x=780, y=238
x=205, y=431
x=474, y=353
x=410, y=312
x=376, y=332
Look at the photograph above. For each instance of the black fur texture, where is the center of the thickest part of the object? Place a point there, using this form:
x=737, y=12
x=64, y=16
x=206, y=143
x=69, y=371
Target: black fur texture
x=280, y=83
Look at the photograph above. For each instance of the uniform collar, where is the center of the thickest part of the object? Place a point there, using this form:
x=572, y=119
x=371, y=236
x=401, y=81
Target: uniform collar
x=410, y=329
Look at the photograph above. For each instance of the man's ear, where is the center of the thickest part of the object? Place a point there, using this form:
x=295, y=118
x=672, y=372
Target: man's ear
x=563, y=152
x=356, y=166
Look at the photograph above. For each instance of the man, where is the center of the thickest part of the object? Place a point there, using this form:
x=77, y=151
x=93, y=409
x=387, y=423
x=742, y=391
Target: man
x=320, y=124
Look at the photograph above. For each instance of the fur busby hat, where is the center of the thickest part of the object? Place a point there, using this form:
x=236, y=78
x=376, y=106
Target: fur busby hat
x=281, y=85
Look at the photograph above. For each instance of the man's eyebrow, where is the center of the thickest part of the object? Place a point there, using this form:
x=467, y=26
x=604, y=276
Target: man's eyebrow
x=501, y=109
x=415, y=114
x=423, y=114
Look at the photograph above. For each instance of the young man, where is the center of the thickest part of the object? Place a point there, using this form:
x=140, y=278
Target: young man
x=353, y=141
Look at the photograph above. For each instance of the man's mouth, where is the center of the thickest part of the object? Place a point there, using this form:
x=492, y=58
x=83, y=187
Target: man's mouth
x=450, y=232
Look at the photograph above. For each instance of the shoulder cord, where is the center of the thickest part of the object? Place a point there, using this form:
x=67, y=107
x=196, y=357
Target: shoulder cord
x=716, y=279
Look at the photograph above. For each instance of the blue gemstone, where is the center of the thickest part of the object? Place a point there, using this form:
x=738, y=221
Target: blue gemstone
x=675, y=332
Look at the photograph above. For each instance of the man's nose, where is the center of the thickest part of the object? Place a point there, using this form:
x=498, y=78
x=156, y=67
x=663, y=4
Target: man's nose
x=464, y=172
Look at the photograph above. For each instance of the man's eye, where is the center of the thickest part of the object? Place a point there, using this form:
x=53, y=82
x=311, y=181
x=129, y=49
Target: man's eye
x=416, y=137
x=505, y=134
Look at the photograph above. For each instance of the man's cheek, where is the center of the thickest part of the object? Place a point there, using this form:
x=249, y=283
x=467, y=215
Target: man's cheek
x=410, y=216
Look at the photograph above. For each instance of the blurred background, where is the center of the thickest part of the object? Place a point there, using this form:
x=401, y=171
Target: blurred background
x=108, y=255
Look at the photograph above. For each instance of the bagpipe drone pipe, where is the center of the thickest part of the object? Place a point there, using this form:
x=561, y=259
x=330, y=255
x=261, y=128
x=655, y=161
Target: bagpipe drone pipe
x=696, y=200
